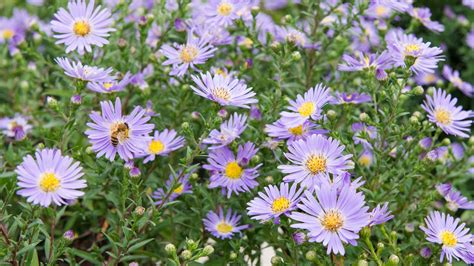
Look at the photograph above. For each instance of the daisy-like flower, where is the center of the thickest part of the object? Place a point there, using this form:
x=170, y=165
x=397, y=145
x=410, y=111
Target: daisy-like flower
x=366, y=158
x=179, y=187
x=454, y=77
x=377, y=63
x=426, y=79
x=161, y=144
x=223, y=224
x=274, y=202
x=111, y=132
x=445, y=230
x=423, y=14
x=50, y=178
x=224, y=90
x=110, y=86
x=84, y=72
x=454, y=198
x=82, y=26
x=16, y=127
x=442, y=111
x=380, y=214
x=229, y=131
x=362, y=134
x=280, y=131
x=306, y=107
x=354, y=97
x=312, y=159
x=223, y=12
x=196, y=51
x=232, y=172
x=292, y=36
x=334, y=218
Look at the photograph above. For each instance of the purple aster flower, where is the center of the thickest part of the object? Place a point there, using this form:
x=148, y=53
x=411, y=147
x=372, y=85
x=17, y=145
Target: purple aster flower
x=255, y=112
x=161, y=144
x=426, y=79
x=332, y=218
x=354, y=97
x=377, y=63
x=380, y=214
x=409, y=51
x=69, y=235
x=224, y=90
x=149, y=109
x=280, y=131
x=425, y=252
x=223, y=12
x=366, y=158
x=111, y=132
x=362, y=134
x=293, y=36
x=454, y=198
x=308, y=106
x=110, y=86
x=76, y=99
x=312, y=159
x=274, y=202
x=455, y=79
x=84, y=72
x=179, y=187
x=426, y=143
x=196, y=51
x=458, y=150
x=423, y=14
x=468, y=3
x=365, y=36
x=82, y=26
x=16, y=127
x=134, y=172
x=223, y=224
x=442, y=111
x=229, y=131
x=232, y=172
x=440, y=153
x=50, y=178
x=445, y=230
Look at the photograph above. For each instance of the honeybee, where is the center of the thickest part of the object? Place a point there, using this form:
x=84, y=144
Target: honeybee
x=119, y=133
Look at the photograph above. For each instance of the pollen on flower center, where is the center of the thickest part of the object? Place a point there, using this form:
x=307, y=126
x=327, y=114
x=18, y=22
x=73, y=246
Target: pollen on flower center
x=296, y=130
x=179, y=189
x=156, y=146
x=448, y=238
x=412, y=48
x=233, y=170
x=81, y=28
x=364, y=160
x=380, y=10
x=316, y=164
x=8, y=34
x=225, y=9
x=332, y=220
x=188, y=54
x=49, y=182
x=221, y=94
x=280, y=204
x=224, y=227
x=443, y=116
x=108, y=85
x=306, y=109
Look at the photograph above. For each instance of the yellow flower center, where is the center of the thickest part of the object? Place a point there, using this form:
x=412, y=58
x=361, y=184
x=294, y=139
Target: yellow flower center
x=430, y=78
x=188, y=54
x=49, y=182
x=221, y=93
x=380, y=11
x=224, y=9
x=316, y=164
x=448, y=238
x=297, y=131
x=156, y=146
x=332, y=220
x=81, y=28
x=364, y=160
x=221, y=72
x=8, y=34
x=179, y=189
x=306, y=109
x=411, y=48
x=367, y=61
x=280, y=204
x=233, y=170
x=247, y=42
x=108, y=85
x=224, y=227
x=443, y=116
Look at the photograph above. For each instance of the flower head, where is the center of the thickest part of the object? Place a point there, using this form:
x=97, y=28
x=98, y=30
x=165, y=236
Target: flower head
x=161, y=144
x=374, y=62
x=442, y=111
x=274, y=202
x=110, y=86
x=50, y=178
x=380, y=214
x=223, y=224
x=280, y=131
x=84, y=72
x=454, y=198
x=16, y=127
x=348, y=98
x=82, y=26
x=223, y=12
x=111, y=132
x=454, y=77
x=229, y=131
x=423, y=14
x=180, y=187
x=232, y=172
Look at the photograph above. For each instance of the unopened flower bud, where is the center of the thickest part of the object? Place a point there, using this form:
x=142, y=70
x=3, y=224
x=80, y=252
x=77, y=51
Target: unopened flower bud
x=276, y=260
x=122, y=43
x=185, y=125
x=380, y=246
x=24, y=84
x=362, y=263
x=233, y=256
x=222, y=113
x=296, y=55
x=410, y=227
x=417, y=114
x=51, y=102
x=186, y=254
x=195, y=115
x=446, y=141
x=255, y=159
x=76, y=99
x=331, y=114
x=394, y=259
x=135, y=172
x=431, y=90
x=269, y=179
x=471, y=140
x=418, y=90
x=414, y=120
x=365, y=232
x=40, y=146
x=69, y=235
x=139, y=210
x=425, y=252
x=363, y=117
x=208, y=250
x=170, y=249
x=310, y=255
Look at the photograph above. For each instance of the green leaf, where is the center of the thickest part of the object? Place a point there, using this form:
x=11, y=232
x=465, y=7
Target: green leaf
x=84, y=255
x=28, y=247
x=140, y=244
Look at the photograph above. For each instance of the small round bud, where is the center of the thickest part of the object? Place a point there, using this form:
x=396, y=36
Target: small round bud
x=276, y=260
x=362, y=263
x=190, y=242
x=170, y=249
x=255, y=159
x=69, y=235
x=139, y=210
x=380, y=245
x=310, y=255
x=255, y=10
x=185, y=125
x=233, y=256
x=24, y=84
x=417, y=114
x=394, y=259
x=194, y=176
x=122, y=43
x=410, y=227
x=365, y=232
x=222, y=113
x=296, y=55
x=471, y=140
x=40, y=146
x=208, y=250
x=76, y=99
x=135, y=172
x=195, y=115
x=331, y=114
x=357, y=81
x=89, y=150
x=186, y=254
x=425, y=252
x=418, y=90
x=51, y=102
x=269, y=179
x=414, y=120
x=431, y=90
x=364, y=117
x=446, y=141
x=287, y=18
x=439, y=83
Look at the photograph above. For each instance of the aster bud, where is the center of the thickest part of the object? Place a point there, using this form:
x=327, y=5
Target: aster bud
x=185, y=125
x=417, y=114
x=380, y=246
x=191, y=244
x=255, y=159
x=394, y=259
x=139, y=210
x=410, y=227
x=269, y=179
x=310, y=255
x=431, y=90
x=135, y=172
x=170, y=249
x=365, y=232
x=76, y=99
x=296, y=55
x=414, y=120
x=446, y=141
x=364, y=117
x=331, y=114
x=233, y=256
x=471, y=140
x=51, y=102
x=40, y=146
x=69, y=235
x=276, y=260
x=186, y=254
x=418, y=90
x=425, y=252
x=439, y=83
x=357, y=81
x=122, y=43
x=195, y=115
x=208, y=250
x=24, y=84
x=222, y=113
x=362, y=263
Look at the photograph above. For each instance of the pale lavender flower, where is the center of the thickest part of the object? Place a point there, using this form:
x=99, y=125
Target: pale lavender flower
x=468, y=3
x=425, y=252
x=333, y=218
x=223, y=224
x=231, y=172
x=223, y=12
x=280, y=131
x=299, y=238
x=454, y=198
x=255, y=112
x=426, y=143
x=229, y=131
x=16, y=127
x=380, y=214
x=454, y=77
x=110, y=132
x=134, y=172
x=374, y=62
x=196, y=51
x=364, y=133
x=312, y=159
x=457, y=150
x=69, y=235
x=442, y=111
x=274, y=202
x=161, y=144
x=224, y=90
x=110, y=86
x=445, y=230
x=180, y=187
x=348, y=98
x=365, y=36
x=423, y=14
x=149, y=109
x=50, y=178
x=293, y=36
x=366, y=158
x=79, y=71
x=426, y=79
x=82, y=26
